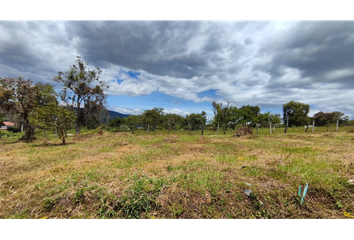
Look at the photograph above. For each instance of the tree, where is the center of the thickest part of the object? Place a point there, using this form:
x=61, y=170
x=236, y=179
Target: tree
x=323, y=118
x=297, y=113
x=21, y=97
x=79, y=87
x=53, y=117
x=152, y=118
x=132, y=121
x=249, y=115
x=203, y=117
x=195, y=121
x=117, y=122
x=235, y=116
x=221, y=115
x=265, y=118
x=173, y=120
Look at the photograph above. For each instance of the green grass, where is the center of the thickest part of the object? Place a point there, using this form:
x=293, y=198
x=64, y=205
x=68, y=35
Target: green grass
x=176, y=175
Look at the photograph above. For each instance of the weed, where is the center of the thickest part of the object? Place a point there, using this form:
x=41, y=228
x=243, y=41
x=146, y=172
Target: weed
x=48, y=204
x=79, y=196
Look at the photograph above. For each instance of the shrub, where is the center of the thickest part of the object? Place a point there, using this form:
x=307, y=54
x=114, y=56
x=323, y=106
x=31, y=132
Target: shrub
x=14, y=129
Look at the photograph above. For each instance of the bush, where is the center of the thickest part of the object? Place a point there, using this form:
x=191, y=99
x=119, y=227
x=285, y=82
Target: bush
x=14, y=129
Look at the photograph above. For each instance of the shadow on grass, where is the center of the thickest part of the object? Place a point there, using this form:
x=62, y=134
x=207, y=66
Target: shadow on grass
x=52, y=144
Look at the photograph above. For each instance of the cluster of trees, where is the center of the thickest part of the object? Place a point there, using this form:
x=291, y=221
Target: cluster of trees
x=227, y=116
x=38, y=105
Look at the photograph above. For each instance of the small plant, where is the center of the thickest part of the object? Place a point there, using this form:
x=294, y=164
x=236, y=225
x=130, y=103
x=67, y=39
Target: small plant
x=79, y=196
x=48, y=204
x=339, y=205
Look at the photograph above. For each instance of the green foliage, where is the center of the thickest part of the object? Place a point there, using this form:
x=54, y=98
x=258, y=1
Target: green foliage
x=53, y=117
x=132, y=121
x=322, y=118
x=264, y=119
x=153, y=118
x=195, y=121
x=21, y=97
x=297, y=113
x=13, y=129
x=81, y=85
x=173, y=121
x=249, y=114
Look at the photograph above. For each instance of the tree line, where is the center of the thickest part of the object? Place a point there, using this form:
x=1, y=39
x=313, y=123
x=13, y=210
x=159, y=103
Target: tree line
x=82, y=102
x=227, y=116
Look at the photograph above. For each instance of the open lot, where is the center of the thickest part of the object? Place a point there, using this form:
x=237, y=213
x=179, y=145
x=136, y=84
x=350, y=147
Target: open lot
x=176, y=175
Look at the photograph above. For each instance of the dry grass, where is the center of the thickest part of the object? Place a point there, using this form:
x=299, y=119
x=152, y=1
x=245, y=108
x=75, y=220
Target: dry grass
x=160, y=175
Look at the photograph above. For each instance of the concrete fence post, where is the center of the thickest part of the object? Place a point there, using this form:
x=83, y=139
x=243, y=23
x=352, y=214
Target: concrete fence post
x=313, y=126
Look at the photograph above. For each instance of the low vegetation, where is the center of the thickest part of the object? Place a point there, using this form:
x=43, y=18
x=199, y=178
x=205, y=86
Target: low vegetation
x=173, y=174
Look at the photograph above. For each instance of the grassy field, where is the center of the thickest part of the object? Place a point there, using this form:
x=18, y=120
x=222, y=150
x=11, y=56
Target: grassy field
x=176, y=175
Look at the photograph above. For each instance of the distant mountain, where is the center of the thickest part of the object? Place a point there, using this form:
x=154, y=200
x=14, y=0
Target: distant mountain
x=113, y=114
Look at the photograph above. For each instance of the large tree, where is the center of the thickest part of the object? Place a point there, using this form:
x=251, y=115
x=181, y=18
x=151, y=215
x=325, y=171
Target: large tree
x=132, y=121
x=152, y=118
x=249, y=115
x=20, y=97
x=195, y=121
x=173, y=120
x=53, y=117
x=323, y=118
x=81, y=85
x=297, y=113
x=221, y=114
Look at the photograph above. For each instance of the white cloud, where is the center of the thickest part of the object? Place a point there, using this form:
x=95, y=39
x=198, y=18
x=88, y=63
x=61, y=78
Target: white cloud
x=134, y=111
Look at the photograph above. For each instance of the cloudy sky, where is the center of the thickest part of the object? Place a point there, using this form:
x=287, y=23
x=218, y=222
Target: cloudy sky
x=183, y=66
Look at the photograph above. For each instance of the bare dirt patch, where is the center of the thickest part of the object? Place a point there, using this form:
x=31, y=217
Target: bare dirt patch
x=171, y=139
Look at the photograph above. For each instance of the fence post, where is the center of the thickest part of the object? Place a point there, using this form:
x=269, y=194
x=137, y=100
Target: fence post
x=218, y=128
x=313, y=126
x=270, y=127
x=337, y=126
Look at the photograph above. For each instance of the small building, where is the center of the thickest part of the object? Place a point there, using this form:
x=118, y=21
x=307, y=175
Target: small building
x=7, y=124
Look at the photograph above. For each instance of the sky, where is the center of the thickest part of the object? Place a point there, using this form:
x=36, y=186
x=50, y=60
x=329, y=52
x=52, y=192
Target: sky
x=182, y=66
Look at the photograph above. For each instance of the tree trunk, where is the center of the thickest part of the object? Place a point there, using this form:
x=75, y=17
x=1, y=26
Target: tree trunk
x=327, y=127
x=202, y=130
x=132, y=130
x=218, y=128
x=148, y=129
x=45, y=133
x=78, y=118
x=0, y=134
x=62, y=136
x=29, y=132
x=307, y=127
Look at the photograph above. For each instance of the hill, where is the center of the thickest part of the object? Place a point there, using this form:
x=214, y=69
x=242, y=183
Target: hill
x=113, y=114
